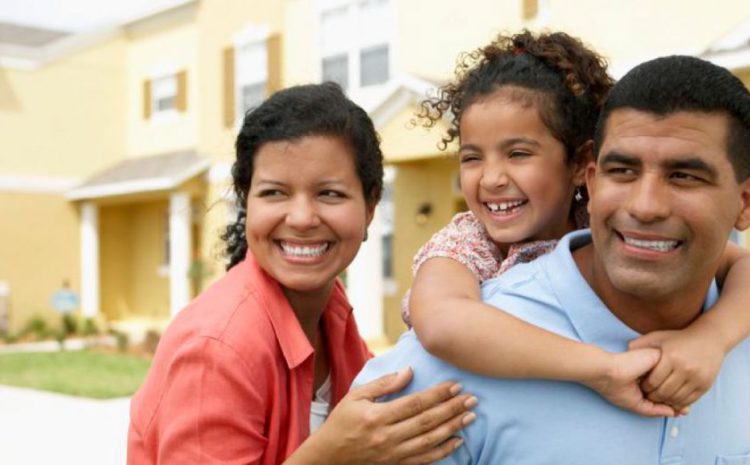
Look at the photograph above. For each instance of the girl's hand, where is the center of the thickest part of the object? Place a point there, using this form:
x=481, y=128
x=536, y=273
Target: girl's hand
x=619, y=382
x=413, y=429
x=690, y=360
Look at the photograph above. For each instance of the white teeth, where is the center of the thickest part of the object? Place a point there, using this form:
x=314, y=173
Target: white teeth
x=504, y=206
x=304, y=250
x=659, y=246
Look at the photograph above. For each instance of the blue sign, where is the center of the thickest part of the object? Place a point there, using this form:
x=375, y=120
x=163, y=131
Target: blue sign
x=64, y=301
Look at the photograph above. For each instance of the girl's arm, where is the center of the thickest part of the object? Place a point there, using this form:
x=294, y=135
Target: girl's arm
x=691, y=358
x=453, y=324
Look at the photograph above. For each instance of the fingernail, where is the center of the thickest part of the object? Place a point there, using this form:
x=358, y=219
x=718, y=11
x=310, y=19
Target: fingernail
x=685, y=411
x=471, y=402
x=468, y=418
x=457, y=443
x=456, y=388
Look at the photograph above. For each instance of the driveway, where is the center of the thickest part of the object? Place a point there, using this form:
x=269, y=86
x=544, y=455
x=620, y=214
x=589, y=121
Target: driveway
x=40, y=428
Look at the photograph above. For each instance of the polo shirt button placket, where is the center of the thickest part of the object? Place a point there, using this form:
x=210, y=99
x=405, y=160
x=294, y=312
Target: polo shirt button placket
x=673, y=448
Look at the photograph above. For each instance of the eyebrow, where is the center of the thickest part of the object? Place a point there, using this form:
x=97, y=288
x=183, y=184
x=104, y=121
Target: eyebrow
x=504, y=144
x=690, y=163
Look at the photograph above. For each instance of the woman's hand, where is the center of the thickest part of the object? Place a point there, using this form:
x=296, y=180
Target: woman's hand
x=413, y=429
x=690, y=360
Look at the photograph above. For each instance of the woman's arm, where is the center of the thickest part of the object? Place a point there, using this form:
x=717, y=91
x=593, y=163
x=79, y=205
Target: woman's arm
x=691, y=358
x=452, y=323
x=417, y=428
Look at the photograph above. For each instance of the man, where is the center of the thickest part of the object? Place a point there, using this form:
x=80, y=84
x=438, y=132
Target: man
x=669, y=184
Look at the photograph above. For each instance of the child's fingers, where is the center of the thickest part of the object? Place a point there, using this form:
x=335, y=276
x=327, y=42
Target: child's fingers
x=667, y=389
x=656, y=377
x=679, y=400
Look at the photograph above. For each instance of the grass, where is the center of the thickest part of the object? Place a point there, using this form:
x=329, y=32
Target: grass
x=79, y=373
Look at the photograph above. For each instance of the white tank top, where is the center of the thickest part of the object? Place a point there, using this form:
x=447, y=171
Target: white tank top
x=320, y=405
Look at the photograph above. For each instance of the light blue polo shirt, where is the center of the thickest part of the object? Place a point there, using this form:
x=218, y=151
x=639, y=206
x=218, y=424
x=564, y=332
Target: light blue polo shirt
x=552, y=422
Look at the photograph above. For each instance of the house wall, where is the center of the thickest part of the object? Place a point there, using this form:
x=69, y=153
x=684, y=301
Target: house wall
x=167, y=44
x=149, y=272
x=416, y=183
x=115, y=261
x=39, y=248
x=65, y=119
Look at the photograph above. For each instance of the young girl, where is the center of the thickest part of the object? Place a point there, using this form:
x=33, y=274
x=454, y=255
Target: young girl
x=248, y=372
x=524, y=109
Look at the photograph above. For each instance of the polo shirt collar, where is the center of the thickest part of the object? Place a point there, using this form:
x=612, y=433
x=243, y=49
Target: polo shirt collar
x=293, y=342
x=592, y=320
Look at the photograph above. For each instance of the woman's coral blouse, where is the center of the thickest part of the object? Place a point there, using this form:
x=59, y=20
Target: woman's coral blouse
x=232, y=379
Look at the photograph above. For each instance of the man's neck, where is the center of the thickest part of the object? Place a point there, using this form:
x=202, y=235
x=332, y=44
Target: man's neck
x=642, y=314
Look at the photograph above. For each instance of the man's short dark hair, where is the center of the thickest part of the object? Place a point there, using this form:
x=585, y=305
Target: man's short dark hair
x=684, y=83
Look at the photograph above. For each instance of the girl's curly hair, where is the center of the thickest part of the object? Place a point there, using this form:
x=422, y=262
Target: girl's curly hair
x=568, y=83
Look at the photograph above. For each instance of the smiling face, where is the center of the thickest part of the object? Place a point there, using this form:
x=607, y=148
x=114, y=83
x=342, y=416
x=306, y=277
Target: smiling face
x=663, y=201
x=514, y=173
x=306, y=213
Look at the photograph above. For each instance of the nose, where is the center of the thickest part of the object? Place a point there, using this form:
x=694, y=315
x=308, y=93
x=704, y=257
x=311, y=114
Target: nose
x=302, y=214
x=648, y=200
x=494, y=175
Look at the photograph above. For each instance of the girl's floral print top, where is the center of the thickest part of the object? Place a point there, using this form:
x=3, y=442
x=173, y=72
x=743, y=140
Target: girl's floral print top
x=465, y=240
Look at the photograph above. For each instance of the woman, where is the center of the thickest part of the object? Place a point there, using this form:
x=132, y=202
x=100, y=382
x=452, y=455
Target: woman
x=256, y=362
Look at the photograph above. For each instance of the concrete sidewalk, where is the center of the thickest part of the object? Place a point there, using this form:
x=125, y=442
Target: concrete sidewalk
x=40, y=428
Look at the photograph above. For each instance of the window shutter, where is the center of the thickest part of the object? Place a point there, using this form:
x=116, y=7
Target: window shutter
x=229, y=104
x=530, y=9
x=146, y=99
x=181, y=98
x=273, y=49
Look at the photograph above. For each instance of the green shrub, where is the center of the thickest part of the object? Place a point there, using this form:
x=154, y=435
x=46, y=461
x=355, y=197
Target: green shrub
x=151, y=341
x=89, y=327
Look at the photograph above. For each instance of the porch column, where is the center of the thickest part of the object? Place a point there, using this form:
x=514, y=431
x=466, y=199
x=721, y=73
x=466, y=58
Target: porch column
x=89, y=260
x=365, y=284
x=179, y=251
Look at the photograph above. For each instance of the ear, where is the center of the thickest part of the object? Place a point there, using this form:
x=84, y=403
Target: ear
x=743, y=217
x=581, y=159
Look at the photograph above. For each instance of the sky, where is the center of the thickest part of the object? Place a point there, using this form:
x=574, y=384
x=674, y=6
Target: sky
x=77, y=15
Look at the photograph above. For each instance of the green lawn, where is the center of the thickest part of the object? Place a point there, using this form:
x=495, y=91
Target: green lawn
x=78, y=373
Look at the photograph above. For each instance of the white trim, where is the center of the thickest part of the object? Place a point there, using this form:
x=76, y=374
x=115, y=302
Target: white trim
x=734, y=39
x=180, y=213
x=89, y=259
x=133, y=187
x=736, y=59
x=401, y=92
x=36, y=184
x=4, y=289
x=220, y=172
x=251, y=33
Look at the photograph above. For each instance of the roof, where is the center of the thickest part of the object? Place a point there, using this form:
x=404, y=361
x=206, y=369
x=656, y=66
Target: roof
x=28, y=46
x=733, y=49
x=146, y=174
x=28, y=36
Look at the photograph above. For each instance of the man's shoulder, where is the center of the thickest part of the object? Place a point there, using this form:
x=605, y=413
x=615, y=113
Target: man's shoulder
x=409, y=352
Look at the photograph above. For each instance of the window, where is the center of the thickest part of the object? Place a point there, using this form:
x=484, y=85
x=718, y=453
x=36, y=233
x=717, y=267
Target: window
x=355, y=49
x=165, y=94
x=251, y=77
x=252, y=71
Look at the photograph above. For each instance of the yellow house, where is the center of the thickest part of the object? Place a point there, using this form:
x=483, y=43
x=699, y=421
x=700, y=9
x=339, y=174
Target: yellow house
x=114, y=172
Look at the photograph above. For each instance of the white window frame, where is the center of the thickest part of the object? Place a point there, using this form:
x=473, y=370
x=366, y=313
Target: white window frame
x=249, y=36
x=355, y=44
x=159, y=73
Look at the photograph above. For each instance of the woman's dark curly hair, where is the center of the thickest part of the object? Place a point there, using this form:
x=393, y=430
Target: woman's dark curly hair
x=291, y=114
x=567, y=80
